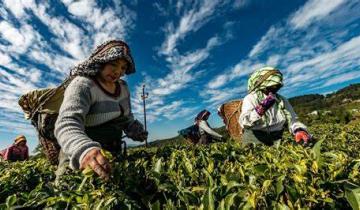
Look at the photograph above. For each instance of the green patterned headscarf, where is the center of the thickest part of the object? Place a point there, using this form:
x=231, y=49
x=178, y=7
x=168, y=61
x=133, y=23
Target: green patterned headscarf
x=264, y=78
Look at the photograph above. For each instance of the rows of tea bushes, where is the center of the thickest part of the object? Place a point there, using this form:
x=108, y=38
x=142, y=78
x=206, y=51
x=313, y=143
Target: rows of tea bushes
x=219, y=176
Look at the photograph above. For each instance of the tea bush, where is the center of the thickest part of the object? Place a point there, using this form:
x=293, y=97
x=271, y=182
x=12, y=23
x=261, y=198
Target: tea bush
x=218, y=176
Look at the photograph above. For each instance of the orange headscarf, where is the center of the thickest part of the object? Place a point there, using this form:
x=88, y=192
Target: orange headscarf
x=20, y=138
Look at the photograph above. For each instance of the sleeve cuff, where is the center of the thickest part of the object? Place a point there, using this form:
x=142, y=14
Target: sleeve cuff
x=76, y=158
x=297, y=125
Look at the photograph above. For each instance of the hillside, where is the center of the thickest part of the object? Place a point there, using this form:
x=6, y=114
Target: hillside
x=341, y=106
x=312, y=102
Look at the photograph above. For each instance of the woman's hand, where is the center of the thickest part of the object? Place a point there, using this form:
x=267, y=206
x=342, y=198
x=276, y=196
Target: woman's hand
x=136, y=131
x=142, y=136
x=97, y=162
x=302, y=137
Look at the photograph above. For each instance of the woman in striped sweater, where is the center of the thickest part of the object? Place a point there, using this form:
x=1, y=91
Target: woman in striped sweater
x=96, y=110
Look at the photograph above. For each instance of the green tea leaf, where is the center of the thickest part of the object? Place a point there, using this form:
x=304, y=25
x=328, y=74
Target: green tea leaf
x=281, y=206
x=317, y=152
x=279, y=186
x=221, y=205
x=156, y=205
x=353, y=197
x=229, y=200
x=10, y=201
x=266, y=185
x=208, y=200
x=157, y=167
x=260, y=169
x=231, y=185
x=210, y=167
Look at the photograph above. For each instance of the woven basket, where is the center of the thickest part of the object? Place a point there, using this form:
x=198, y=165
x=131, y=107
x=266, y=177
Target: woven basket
x=230, y=113
x=51, y=149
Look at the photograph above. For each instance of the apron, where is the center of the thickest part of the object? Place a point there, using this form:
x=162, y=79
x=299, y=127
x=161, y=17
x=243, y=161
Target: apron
x=261, y=137
x=108, y=134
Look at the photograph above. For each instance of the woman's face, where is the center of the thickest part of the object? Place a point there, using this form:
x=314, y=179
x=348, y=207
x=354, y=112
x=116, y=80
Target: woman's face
x=113, y=70
x=20, y=144
x=272, y=89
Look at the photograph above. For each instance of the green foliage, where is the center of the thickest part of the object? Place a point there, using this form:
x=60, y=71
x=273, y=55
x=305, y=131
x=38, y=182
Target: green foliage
x=219, y=176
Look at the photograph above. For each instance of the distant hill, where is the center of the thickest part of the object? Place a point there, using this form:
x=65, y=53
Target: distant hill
x=311, y=102
x=334, y=107
x=341, y=106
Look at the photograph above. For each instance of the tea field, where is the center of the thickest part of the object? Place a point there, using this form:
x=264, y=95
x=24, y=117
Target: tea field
x=219, y=176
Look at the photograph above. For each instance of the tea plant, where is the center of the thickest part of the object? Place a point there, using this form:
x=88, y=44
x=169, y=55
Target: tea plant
x=219, y=176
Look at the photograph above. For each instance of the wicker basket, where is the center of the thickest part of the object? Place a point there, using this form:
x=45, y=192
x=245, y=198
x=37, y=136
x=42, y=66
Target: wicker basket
x=51, y=149
x=230, y=113
x=42, y=107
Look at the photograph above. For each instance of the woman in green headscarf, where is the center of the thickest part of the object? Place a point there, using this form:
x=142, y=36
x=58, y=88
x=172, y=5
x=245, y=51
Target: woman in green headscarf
x=265, y=113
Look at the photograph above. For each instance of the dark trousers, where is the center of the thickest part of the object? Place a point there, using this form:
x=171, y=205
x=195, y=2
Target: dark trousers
x=204, y=139
x=261, y=137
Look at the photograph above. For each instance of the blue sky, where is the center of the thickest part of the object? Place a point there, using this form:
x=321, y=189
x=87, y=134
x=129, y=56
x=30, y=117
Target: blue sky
x=190, y=54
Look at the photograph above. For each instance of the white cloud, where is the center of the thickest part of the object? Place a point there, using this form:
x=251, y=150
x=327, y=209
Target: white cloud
x=20, y=38
x=216, y=97
x=241, y=69
x=178, y=78
x=324, y=66
x=81, y=8
x=16, y=126
x=241, y=3
x=24, y=40
x=314, y=10
x=103, y=23
x=218, y=81
x=264, y=41
x=313, y=59
x=342, y=78
x=17, y=7
x=160, y=9
x=195, y=18
x=4, y=59
x=273, y=60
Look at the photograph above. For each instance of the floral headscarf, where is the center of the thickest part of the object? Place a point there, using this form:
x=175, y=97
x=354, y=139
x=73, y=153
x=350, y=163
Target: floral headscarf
x=104, y=53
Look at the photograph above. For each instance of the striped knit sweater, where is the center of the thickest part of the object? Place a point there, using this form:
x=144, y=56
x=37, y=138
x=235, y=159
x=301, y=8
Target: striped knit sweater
x=87, y=104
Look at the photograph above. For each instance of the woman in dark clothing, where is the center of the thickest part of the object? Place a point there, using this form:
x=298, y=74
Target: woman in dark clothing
x=206, y=132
